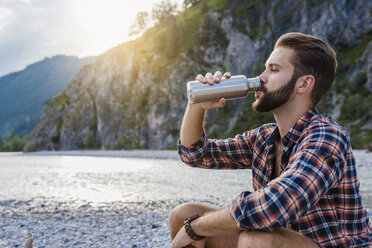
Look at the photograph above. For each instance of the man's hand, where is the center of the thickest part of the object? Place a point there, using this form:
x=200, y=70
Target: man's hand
x=183, y=240
x=216, y=78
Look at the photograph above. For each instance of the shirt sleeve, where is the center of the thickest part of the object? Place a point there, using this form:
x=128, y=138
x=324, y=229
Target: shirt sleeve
x=232, y=153
x=318, y=165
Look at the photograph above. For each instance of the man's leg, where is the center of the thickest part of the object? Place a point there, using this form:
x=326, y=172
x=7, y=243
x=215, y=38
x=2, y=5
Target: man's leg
x=279, y=238
x=182, y=212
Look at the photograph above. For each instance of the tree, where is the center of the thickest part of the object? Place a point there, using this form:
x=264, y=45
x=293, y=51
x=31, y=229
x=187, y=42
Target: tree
x=140, y=24
x=190, y=3
x=164, y=10
x=13, y=143
x=90, y=141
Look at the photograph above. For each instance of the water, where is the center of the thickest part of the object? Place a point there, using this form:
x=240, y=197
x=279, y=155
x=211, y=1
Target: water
x=104, y=179
x=107, y=179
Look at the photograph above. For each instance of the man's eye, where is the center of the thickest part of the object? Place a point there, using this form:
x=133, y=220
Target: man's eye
x=274, y=69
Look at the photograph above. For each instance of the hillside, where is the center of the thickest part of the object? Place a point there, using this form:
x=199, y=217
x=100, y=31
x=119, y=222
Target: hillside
x=23, y=94
x=133, y=96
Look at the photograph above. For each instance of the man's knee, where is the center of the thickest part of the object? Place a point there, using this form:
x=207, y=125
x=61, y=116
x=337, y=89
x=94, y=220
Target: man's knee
x=256, y=239
x=179, y=213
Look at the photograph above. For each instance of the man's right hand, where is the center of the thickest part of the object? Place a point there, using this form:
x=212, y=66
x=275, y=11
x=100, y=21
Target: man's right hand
x=212, y=79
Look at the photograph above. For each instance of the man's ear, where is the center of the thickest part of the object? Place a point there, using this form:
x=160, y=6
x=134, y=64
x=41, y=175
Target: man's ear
x=305, y=84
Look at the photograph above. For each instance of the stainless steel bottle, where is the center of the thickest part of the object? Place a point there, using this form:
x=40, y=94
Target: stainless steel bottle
x=229, y=88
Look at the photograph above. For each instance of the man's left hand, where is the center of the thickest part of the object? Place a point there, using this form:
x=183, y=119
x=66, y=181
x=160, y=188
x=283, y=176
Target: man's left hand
x=183, y=240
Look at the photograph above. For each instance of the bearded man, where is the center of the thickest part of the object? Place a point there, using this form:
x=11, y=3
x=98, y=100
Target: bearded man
x=306, y=189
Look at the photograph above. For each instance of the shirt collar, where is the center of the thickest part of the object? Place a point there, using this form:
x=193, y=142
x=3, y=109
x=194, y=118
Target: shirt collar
x=296, y=131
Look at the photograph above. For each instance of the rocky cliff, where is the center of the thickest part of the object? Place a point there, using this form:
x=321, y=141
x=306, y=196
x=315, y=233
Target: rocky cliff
x=134, y=95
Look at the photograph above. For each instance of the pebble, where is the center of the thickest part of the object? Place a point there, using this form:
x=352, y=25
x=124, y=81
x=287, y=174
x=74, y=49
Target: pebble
x=71, y=224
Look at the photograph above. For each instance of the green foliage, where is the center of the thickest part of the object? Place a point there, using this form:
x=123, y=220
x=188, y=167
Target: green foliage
x=128, y=140
x=12, y=143
x=244, y=119
x=351, y=54
x=247, y=119
x=286, y=17
x=164, y=10
x=32, y=146
x=61, y=98
x=140, y=24
x=182, y=38
x=244, y=13
x=356, y=109
x=217, y=5
x=190, y=3
x=91, y=141
x=58, y=123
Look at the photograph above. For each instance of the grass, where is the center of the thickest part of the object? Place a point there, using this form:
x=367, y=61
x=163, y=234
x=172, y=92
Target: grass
x=353, y=53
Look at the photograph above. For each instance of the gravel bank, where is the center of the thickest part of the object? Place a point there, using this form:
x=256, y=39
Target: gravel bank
x=72, y=224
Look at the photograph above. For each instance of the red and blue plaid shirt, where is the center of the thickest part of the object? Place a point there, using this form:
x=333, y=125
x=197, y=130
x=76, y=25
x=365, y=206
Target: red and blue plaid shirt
x=317, y=192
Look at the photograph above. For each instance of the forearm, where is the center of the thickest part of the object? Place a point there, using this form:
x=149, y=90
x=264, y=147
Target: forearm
x=192, y=124
x=217, y=223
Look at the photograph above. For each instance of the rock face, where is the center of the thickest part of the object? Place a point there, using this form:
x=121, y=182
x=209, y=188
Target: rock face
x=134, y=95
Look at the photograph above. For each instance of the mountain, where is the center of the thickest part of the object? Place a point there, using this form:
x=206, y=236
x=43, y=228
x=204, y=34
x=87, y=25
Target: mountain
x=23, y=94
x=134, y=95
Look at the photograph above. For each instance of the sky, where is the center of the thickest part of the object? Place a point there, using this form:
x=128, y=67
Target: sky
x=31, y=30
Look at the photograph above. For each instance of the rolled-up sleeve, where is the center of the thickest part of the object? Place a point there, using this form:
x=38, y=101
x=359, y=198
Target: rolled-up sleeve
x=232, y=153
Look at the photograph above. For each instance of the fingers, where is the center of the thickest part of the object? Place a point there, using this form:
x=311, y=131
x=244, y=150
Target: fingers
x=227, y=75
x=209, y=105
x=221, y=103
x=217, y=76
x=209, y=78
x=200, y=78
x=212, y=79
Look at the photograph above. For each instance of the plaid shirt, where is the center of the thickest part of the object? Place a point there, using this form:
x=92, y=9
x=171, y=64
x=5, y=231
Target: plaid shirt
x=317, y=192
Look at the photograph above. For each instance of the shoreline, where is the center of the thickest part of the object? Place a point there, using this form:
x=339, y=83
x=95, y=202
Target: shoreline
x=363, y=157
x=151, y=154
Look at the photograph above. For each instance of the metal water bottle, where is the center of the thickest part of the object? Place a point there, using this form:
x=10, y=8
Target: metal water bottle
x=229, y=88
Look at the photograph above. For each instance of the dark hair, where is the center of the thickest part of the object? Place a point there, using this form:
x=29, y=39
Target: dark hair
x=313, y=56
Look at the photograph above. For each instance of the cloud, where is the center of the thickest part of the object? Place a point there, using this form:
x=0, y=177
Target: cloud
x=31, y=30
x=5, y=17
x=25, y=32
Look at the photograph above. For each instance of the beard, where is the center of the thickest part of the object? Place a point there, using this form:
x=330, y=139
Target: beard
x=274, y=99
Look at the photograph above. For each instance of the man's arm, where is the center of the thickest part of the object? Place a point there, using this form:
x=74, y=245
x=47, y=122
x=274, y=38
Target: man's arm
x=198, y=151
x=192, y=124
x=217, y=223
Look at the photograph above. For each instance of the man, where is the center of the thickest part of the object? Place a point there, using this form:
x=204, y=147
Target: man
x=303, y=170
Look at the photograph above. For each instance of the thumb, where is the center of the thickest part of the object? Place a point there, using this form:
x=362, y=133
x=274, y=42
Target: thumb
x=199, y=244
x=221, y=103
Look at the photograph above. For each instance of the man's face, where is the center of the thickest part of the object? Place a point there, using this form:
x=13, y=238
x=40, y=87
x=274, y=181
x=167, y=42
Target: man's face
x=278, y=81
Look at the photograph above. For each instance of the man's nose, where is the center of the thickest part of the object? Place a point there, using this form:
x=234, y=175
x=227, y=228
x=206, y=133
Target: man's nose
x=262, y=77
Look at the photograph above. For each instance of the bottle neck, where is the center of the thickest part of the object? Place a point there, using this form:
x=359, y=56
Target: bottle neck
x=253, y=84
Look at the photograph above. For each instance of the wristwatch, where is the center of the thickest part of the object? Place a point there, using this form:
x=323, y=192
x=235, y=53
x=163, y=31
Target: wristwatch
x=189, y=231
